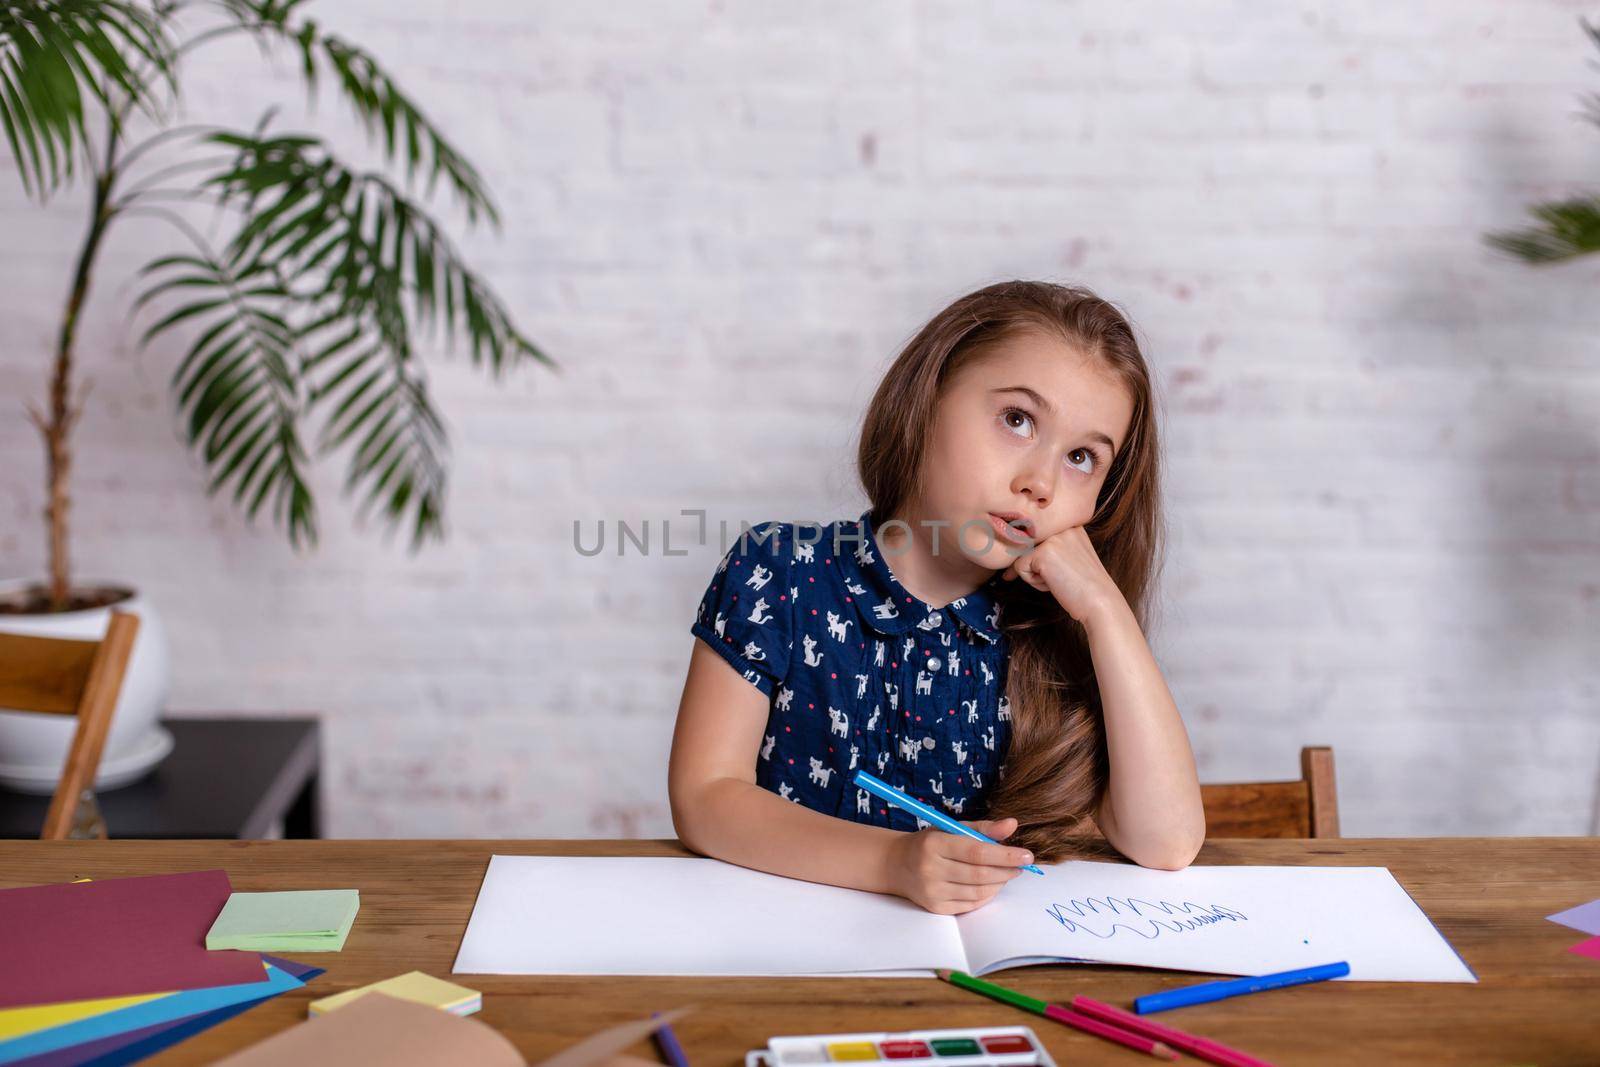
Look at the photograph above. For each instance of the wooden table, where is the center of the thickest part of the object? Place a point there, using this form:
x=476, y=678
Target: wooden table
x=1535, y=1002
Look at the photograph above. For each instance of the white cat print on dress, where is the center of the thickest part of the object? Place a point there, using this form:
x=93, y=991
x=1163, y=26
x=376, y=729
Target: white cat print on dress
x=837, y=628
x=841, y=725
x=819, y=773
x=813, y=657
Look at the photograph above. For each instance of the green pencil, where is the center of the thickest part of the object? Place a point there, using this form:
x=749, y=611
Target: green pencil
x=1066, y=1016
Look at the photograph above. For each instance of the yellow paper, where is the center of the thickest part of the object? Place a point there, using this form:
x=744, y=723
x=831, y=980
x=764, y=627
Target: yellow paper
x=414, y=986
x=18, y=1022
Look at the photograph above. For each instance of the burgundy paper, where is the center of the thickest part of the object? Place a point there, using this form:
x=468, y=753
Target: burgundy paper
x=116, y=937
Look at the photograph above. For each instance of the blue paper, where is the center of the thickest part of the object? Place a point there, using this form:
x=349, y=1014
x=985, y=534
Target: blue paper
x=177, y=1006
x=135, y=1045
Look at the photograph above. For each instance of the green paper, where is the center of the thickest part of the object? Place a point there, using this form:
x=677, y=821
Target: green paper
x=316, y=920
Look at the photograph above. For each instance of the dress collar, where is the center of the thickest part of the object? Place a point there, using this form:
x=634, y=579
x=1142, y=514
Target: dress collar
x=889, y=608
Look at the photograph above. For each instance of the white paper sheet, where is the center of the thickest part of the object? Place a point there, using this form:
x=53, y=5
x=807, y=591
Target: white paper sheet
x=674, y=916
x=1216, y=919
x=666, y=916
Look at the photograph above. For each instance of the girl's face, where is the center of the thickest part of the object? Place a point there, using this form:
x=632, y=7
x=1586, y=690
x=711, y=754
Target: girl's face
x=1028, y=429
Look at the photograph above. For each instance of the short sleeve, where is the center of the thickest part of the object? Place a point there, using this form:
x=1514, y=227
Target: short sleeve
x=747, y=612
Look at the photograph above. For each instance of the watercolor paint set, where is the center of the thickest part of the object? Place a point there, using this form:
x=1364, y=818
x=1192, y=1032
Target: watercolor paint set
x=989, y=1046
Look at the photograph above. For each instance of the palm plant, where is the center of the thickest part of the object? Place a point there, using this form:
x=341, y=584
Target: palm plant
x=308, y=320
x=1566, y=228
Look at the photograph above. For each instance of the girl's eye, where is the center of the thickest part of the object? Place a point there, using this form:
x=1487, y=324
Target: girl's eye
x=1006, y=415
x=1090, y=454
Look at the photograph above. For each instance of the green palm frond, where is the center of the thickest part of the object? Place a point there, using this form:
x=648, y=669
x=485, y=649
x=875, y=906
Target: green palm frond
x=1592, y=102
x=55, y=56
x=1568, y=228
x=370, y=269
x=408, y=137
x=307, y=212
x=240, y=384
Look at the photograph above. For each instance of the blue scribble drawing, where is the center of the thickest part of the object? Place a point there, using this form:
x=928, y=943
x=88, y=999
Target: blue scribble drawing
x=1114, y=914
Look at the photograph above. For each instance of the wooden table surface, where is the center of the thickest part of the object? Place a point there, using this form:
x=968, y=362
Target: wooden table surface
x=1535, y=1002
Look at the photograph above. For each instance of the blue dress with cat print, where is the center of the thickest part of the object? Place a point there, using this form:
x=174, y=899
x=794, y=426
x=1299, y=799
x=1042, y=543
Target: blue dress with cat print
x=858, y=673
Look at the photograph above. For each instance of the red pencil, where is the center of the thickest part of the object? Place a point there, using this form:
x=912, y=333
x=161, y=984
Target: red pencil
x=1204, y=1047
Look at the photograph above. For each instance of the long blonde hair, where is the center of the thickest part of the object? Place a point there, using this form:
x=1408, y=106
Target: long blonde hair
x=1055, y=770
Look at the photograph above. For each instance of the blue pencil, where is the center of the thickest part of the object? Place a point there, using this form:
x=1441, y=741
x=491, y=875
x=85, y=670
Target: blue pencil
x=944, y=822
x=1233, y=987
x=667, y=1044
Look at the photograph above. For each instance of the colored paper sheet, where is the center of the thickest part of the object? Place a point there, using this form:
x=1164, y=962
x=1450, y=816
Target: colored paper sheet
x=1590, y=948
x=382, y=1029
x=115, y=937
x=135, y=1045
x=316, y=920
x=1585, y=917
x=15, y=1022
x=177, y=1006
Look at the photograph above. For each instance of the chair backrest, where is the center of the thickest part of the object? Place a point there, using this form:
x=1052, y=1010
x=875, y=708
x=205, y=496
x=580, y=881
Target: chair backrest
x=1305, y=807
x=62, y=676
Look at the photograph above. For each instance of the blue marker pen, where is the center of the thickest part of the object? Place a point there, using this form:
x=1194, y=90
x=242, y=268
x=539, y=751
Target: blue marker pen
x=900, y=800
x=1233, y=987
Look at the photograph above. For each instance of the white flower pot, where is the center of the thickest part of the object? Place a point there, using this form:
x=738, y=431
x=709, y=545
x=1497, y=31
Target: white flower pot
x=33, y=747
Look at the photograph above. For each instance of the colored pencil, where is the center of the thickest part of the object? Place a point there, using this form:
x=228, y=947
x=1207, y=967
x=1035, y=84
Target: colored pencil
x=1233, y=987
x=1194, y=1044
x=900, y=800
x=667, y=1044
x=1065, y=1016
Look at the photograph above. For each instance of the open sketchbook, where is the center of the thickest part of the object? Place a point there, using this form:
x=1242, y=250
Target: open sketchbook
x=671, y=916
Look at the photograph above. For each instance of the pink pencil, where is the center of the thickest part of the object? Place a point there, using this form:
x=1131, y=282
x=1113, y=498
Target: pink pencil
x=1202, y=1047
x=1111, y=1032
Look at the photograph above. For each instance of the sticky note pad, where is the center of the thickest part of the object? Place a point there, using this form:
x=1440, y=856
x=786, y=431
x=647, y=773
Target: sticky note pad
x=415, y=986
x=315, y=920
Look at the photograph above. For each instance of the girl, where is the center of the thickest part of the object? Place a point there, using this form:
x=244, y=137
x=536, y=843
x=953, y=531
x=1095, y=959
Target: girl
x=974, y=638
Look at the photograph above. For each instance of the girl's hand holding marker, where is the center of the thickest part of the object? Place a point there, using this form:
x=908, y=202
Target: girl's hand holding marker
x=950, y=867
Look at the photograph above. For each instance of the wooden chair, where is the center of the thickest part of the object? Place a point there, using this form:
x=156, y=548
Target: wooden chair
x=60, y=676
x=1305, y=807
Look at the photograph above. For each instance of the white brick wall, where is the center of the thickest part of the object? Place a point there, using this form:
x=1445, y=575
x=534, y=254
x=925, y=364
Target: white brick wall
x=1383, y=482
